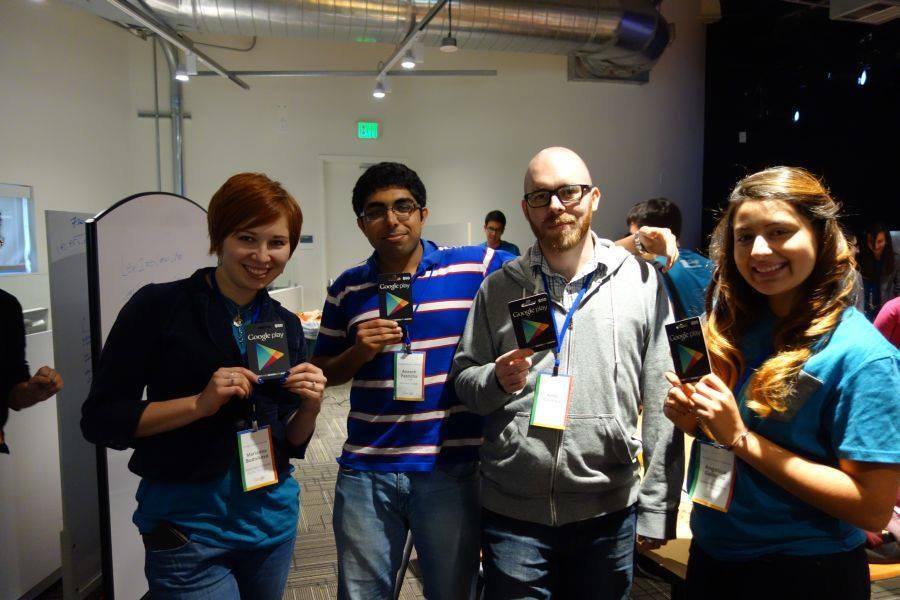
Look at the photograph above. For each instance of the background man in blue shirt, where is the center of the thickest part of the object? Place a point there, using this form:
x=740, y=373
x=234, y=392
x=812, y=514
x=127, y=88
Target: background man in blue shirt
x=687, y=280
x=494, y=226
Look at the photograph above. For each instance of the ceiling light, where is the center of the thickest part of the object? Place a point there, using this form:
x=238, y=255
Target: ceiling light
x=408, y=61
x=863, y=76
x=181, y=74
x=448, y=44
x=378, y=92
x=796, y=116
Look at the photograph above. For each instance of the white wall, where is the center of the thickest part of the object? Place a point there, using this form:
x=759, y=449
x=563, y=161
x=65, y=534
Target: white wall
x=64, y=117
x=81, y=82
x=469, y=138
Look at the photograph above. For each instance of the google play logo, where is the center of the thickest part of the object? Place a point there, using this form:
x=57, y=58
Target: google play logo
x=394, y=303
x=532, y=329
x=266, y=357
x=689, y=357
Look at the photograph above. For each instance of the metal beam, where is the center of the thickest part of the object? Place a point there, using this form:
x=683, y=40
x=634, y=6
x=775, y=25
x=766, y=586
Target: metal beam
x=411, y=38
x=164, y=31
x=335, y=73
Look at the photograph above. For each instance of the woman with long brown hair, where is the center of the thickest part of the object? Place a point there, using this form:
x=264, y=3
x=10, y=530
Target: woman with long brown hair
x=804, y=403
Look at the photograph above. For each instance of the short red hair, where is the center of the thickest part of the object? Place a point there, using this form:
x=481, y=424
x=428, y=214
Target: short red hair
x=249, y=200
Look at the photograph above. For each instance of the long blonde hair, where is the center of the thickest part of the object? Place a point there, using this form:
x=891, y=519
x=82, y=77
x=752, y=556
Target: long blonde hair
x=732, y=303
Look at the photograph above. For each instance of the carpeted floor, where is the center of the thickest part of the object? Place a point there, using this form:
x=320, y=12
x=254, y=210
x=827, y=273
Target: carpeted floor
x=314, y=572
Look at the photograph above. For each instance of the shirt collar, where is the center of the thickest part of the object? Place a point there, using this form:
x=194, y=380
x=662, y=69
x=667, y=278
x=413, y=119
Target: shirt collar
x=538, y=264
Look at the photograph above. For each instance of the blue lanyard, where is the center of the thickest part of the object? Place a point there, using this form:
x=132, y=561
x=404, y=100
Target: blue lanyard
x=568, y=320
x=404, y=327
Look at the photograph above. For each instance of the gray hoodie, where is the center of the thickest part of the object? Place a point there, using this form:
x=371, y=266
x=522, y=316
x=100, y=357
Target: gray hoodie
x=616, y=351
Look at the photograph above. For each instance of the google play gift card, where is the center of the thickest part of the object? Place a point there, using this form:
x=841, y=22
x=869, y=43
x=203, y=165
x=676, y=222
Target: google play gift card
x=533, y=322
x=395, y=296
x=267, y=350
x=688, y=347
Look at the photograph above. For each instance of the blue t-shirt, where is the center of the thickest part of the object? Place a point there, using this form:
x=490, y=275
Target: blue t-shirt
x=220, y=513
x=847, y=406
x=686, y=282
x=505, y=247
x=384, y=434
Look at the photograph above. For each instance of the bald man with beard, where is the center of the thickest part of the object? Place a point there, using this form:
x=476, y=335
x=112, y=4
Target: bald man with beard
x=563, y=504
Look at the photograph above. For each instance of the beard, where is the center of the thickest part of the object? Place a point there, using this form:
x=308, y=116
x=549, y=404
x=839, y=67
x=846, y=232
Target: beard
x=564, y=239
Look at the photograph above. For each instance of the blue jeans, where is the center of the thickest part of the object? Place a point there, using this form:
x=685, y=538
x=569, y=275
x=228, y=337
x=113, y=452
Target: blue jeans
x=195, y=571
x=373, y=511
x=586, y=559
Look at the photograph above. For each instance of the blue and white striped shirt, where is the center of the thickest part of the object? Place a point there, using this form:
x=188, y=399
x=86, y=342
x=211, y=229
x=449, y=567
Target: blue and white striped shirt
x=384, y=434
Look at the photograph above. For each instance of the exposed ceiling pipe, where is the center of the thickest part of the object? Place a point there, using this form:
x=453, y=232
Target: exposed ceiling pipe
x=602, y=36
x=175, y=106
x=166, y=33
x=343, y=73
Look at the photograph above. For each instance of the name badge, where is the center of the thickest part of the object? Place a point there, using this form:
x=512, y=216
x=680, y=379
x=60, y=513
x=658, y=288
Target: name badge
x=409, y=376
x=551, y=401
x=711, y=476
x=257, y=458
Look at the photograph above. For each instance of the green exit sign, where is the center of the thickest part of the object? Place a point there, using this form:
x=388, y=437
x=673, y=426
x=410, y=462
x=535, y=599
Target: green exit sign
x=367, y=130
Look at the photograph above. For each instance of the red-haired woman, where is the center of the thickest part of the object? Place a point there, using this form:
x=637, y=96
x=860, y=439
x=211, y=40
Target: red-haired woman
x=804, y=395
x=205, y=534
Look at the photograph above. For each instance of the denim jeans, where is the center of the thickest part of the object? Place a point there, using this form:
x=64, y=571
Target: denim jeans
x=196, y=571
x=590, y=559
x=374, y=510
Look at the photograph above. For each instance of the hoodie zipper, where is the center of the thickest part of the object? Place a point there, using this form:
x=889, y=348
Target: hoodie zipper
x=553, y=516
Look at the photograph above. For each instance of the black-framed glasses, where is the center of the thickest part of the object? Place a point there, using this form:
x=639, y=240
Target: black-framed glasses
x=567, y=194
x=402, y=209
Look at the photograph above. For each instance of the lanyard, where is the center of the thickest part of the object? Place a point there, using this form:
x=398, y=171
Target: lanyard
x=404, y=327
x=238, y=325
x=567, y=322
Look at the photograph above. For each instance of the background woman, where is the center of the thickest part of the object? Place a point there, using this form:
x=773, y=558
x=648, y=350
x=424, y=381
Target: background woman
x=205, y=536
x=805, y=395
x=879, y=268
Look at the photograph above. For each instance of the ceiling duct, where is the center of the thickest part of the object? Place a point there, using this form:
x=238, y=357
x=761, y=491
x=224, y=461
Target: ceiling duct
x=611, y=39
x=873, y=12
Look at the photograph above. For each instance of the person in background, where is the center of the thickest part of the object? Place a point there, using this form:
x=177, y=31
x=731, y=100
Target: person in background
x=494, y=226
x=19, y=389
x=562, y=508
x=888, y=321
x=802, y=401
x=207, y=533
x=687, y=280
x=879, y=267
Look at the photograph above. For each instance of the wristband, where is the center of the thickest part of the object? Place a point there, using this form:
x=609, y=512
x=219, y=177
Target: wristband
x=638, y=245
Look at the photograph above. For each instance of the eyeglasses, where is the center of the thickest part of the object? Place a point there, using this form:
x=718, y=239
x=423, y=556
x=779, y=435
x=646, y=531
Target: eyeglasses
x=567, y=194
x=401, y=208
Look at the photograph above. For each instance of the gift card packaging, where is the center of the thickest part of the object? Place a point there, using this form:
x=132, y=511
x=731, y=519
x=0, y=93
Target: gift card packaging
x=395, y=296
x=688, y=348
x=267, y=350
x=533, y=322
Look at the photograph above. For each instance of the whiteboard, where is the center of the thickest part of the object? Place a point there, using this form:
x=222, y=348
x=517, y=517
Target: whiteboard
x=148, y=238
x=80, y=538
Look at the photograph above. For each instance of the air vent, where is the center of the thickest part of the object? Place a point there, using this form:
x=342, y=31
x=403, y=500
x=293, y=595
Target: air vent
x=873, y=12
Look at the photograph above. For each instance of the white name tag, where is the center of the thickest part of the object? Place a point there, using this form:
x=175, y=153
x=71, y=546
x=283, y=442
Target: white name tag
x=257, y=458
x=551, y=401
x=712, y=476
x=409, y=376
